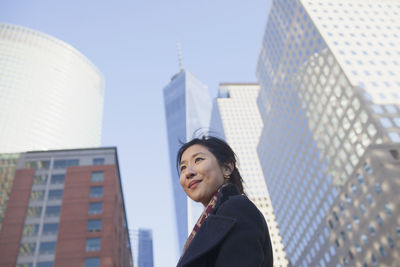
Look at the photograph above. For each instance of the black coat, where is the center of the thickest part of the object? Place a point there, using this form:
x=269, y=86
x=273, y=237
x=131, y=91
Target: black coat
x=235, y=235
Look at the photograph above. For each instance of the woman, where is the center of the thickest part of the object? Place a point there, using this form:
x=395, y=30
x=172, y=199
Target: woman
x=231, y=231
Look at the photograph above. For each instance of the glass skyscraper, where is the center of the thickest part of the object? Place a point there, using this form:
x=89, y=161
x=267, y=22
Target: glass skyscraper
x=143, y=248
x=329, y=90
x=187, y=109
x=236, y=118
x=51, y=96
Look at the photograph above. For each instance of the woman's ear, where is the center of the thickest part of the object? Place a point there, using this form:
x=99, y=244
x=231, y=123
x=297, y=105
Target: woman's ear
x=228, y=168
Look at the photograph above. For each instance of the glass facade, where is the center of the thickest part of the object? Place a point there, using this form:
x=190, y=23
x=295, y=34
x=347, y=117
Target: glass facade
x=327, y=93
x=144, y=253
x=187, y=108
x=51, y=94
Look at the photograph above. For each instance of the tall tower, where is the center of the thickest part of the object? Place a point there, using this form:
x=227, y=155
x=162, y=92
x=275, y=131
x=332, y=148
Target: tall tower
x=328, y=91
x=236, y=117
x=143, y=255
x=187, y=109
x=51, y=96
x=66, y=208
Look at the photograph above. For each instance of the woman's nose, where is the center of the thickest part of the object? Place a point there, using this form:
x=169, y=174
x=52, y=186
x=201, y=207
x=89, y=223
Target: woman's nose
x=190, y=172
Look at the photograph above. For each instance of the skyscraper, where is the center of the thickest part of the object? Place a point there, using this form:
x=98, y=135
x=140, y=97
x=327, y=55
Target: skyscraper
x=364, y=219
x=235, y=116
x=144, y=248
x=187, y=108
x=328, y=91
x=51, y=96
x=66, y=208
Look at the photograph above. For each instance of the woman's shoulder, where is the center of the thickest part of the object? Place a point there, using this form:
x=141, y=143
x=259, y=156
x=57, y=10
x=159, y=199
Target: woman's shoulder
x=240, y=207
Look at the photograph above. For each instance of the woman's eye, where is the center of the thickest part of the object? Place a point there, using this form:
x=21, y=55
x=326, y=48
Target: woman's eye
x=182, y=168
x=197, y=159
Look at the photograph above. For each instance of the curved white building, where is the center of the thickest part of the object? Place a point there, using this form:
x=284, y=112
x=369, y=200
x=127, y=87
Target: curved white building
x=51, y=96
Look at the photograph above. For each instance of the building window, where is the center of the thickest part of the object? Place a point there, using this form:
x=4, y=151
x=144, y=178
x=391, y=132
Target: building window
x=378, y=188
x=27, y=249
x=362, y=208
x=379, y=219
x=367, y=168
x=371, y=229
x=97, y=177
x=360, y=178
x=50, y=229
x=343, y=234
x=93, y=244
x=34, y=211
x=98, y=161
x=364, y=238
x=374, y=260
x=369, y=198
x=94, y=226
x=388, y=209
x=47, y=248
x=38, y=165
x=95, y=208
x=358, y=247
x=53, y=211
x=96, y=191
x=57, y=179
x=351, y=256
x=92, y=262
x=390, y=242
x=382, y=251
x=40, y=179
x=37, y=195
x=31, y=229
x=55, y=194
x=45, y=264
x=65, y=163
x=356, y=220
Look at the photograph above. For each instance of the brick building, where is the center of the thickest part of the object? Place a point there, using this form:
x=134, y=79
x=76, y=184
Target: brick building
x=66, y=208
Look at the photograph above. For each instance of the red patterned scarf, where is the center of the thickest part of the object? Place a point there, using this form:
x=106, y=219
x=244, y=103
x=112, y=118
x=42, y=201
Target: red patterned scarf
x=207, y=211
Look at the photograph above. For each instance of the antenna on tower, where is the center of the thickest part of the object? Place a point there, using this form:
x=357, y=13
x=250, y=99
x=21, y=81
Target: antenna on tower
x=178, y=44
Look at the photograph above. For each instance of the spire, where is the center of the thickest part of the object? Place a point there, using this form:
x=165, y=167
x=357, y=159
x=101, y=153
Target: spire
x=178, y=44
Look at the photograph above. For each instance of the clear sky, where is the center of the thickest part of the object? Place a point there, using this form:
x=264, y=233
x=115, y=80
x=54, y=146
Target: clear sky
x=133, y=43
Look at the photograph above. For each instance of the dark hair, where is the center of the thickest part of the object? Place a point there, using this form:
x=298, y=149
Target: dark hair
x=221, y=150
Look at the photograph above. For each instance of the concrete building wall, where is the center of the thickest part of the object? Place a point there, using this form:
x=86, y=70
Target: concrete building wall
x=364, y=221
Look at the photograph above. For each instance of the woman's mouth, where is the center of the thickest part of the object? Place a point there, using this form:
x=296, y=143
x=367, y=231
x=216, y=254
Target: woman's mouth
x=194, y=184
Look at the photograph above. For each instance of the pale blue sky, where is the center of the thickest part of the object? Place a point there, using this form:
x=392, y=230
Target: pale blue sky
x=133, y=43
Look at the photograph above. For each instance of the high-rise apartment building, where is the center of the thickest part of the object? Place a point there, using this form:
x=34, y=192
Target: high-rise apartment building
x=66, y=208
x=329, y=90
x=188, y=109
x=236, y=118
x=51, y=96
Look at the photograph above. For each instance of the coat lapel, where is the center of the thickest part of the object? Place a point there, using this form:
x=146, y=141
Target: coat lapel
x=210, y=234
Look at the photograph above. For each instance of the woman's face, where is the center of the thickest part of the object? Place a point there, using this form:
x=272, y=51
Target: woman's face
x=201, y=174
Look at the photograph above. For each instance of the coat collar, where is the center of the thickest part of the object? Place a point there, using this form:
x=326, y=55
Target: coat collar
x=213, y=230
x=226, y=192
